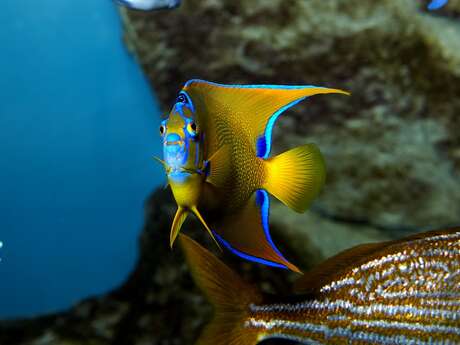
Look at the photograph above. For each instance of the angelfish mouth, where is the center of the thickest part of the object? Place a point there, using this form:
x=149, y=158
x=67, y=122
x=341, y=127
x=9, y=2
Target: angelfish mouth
x=175, y=142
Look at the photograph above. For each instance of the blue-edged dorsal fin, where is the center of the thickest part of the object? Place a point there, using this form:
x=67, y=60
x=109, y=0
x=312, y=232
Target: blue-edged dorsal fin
x=247, y=235
x=249, y=110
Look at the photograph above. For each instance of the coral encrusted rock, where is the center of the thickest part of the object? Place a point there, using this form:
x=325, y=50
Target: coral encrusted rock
x=392, y=149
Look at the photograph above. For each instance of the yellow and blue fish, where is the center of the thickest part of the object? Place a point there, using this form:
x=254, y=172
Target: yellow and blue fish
x=400, y=292
x=216, y=148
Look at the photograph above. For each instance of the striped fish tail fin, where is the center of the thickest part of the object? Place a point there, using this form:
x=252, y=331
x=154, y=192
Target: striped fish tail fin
x=229, y=294
x=295, y=177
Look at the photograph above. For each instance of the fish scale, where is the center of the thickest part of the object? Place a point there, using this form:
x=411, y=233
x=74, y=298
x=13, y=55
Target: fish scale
x=247, y=170
x=408, y=296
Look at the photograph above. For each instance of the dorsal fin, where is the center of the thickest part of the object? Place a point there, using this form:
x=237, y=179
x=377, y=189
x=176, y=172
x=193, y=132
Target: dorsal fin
x=249, y=109
x=353, y=257
x=314, y=279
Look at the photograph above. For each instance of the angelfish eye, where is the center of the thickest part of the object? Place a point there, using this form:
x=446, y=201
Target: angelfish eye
x=192, y=129
x=162, y=129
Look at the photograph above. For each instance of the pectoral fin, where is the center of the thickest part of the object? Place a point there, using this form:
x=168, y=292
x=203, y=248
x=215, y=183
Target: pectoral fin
x=165, y=166
x=219, y=167
x=247, y=235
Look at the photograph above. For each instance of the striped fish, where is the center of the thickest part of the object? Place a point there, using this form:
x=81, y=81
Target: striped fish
x=399, y=292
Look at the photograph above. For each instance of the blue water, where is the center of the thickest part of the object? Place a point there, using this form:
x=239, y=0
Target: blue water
x=78, y=128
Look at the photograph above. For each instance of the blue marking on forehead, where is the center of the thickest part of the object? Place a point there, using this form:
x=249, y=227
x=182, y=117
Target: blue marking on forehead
x=188, y=100
x=183, y=100
x=179, y=108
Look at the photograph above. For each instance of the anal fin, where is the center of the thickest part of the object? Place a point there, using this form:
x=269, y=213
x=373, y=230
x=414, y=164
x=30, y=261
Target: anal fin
x=247, y=235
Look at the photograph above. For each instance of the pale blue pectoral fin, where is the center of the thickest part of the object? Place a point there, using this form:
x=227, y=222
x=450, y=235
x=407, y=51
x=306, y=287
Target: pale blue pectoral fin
x=219, y=167
x=247, y=235
x=165, y=166
x=162, y=162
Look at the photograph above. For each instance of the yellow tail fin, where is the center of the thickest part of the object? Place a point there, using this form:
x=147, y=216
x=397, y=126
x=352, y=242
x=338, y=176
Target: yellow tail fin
x=296, y=177
x=229, y=294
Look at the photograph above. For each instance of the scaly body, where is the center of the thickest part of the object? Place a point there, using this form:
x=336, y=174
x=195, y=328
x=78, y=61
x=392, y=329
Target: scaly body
x=405, y=292
x=246, y=171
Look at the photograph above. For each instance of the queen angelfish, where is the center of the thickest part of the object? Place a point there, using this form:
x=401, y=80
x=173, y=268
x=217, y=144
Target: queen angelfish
x=216, y=146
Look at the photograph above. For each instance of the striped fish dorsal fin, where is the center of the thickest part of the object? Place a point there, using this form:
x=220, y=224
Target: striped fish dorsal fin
x=347, y=260
x=314, y=279
x=252, y=109
x=247, y=235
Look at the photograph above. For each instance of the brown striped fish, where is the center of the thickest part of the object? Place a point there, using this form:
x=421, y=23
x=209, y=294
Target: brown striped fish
x=398, y=292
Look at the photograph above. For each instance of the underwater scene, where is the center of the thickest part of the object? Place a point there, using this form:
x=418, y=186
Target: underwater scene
x=230, y=172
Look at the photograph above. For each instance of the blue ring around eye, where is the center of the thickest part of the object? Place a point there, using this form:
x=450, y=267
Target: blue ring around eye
x=181, y=99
